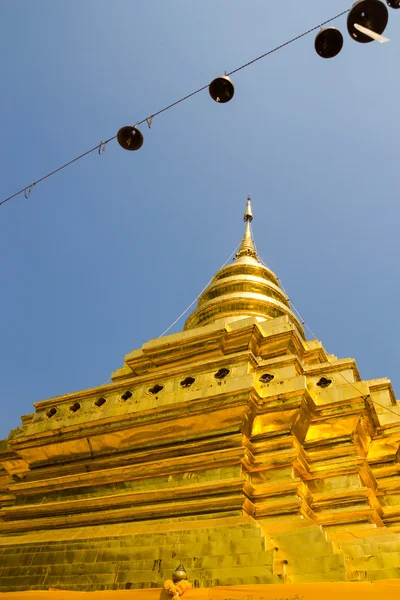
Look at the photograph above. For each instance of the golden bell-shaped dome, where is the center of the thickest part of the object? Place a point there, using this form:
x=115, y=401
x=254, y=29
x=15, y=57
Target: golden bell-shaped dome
x=244, y=288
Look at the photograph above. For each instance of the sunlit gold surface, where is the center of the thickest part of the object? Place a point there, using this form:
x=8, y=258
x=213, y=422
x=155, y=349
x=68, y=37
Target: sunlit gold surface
x=389, y=590
x=246, y=482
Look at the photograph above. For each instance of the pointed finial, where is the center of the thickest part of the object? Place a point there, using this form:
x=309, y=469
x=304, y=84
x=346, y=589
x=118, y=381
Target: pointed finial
x=248, y=215
x=247, y=247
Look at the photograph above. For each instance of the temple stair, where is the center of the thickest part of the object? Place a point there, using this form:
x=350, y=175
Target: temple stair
x=229, y=551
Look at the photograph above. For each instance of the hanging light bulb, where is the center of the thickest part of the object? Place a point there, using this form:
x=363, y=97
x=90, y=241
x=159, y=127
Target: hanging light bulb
x=369, y=14
x=130, y=138
x=222, y=89
x=328, y=42
x=393, y=3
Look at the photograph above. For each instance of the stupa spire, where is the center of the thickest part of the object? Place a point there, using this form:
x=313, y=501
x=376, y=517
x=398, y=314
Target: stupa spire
x=247, y=247
x=244, y=288
x=248, y=215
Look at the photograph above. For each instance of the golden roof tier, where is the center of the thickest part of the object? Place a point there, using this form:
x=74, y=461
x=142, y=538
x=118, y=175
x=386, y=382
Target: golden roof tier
x=245, y=288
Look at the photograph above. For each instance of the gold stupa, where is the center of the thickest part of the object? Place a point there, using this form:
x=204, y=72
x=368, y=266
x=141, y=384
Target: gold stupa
x=236, y=447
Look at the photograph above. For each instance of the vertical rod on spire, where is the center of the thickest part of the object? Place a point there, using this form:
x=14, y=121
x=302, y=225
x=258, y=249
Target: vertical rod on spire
x=247, y=247
x=248, y=215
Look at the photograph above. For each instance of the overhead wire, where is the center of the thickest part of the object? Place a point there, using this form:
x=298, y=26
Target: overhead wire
x=151, y=117
x=197, y=297
x=191, y=304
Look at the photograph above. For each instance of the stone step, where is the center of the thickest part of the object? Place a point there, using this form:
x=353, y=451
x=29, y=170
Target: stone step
x=160, y=569
x=324, y=564
x=236, y=552
x=253, y=559
x=207, y=577
x=303, y=535
x=256, y=580
x=375, y=575
x=60, y=570
x=217, y=562
x=226, y=572
x=317, y=577
x=379, y=538
x=83, y=588
x=373, y=562
x=233, y=573
x=368, y=548
x=312, y=550
x=133, y=576
x=152, y=552
x=206, y=523
x=142, y=540
x=96, y=580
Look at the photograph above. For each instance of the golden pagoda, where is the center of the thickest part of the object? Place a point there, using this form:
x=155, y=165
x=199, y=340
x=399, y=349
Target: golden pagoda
x=236, y=447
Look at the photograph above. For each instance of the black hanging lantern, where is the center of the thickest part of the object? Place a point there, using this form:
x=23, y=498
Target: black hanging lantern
x=222, y=89
x=393, y=3
x=371, y=14
x=130, y=138
x=328, y=42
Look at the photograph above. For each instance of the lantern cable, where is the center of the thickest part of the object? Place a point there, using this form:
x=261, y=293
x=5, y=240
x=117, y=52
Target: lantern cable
x=190, y=305
x=288, y=42
x=197, y=297
x=100, y=147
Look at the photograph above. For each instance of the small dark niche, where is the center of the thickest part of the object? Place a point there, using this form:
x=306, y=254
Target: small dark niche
x=324, y=382
x=156, y=388
x=221, y=373
x=126, y=395
x=51, y=412
x=186, y=383
x=100, y=402
x=75, y=407
x=266, y=378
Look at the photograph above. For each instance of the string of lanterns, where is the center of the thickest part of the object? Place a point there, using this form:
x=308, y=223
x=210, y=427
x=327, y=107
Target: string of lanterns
x=221, y=90
x=366, y=21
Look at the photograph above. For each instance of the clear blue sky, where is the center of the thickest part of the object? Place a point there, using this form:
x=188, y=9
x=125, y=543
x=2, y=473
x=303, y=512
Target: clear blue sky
x=106, y=254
